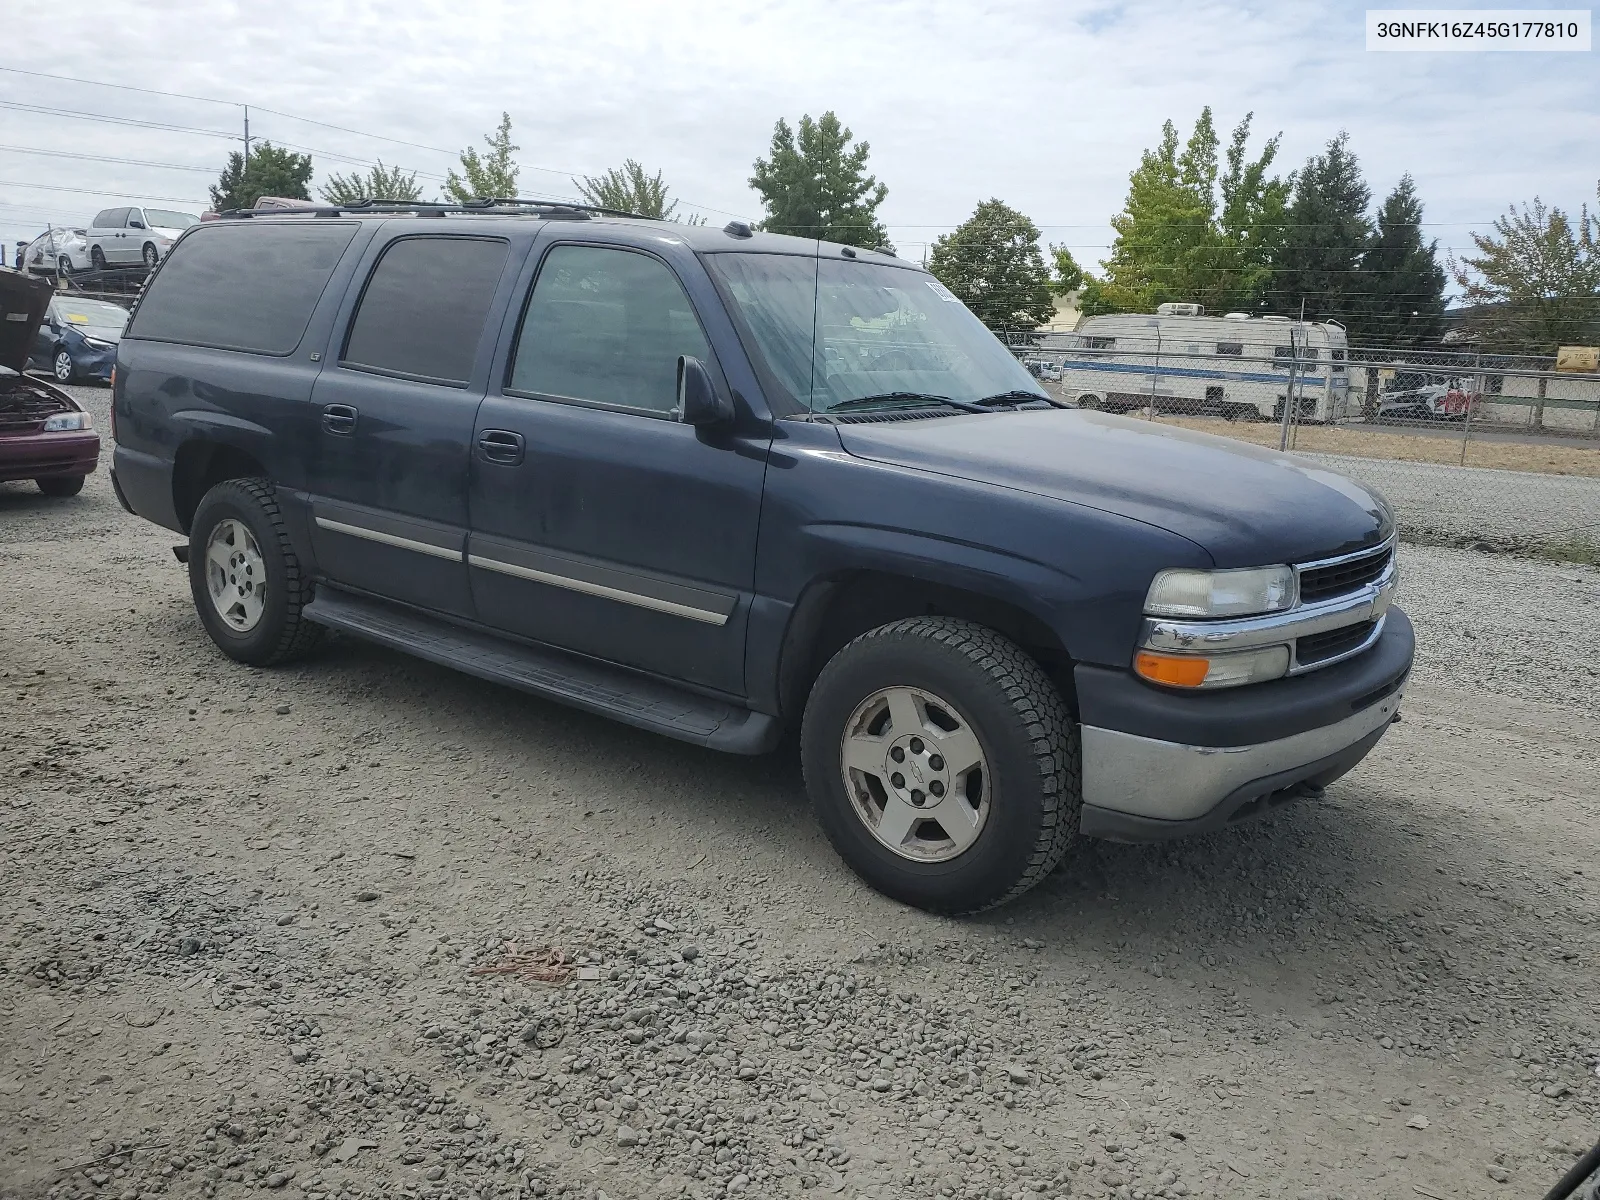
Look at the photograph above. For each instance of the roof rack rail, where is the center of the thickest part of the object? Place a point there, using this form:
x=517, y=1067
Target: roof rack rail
x=495, y=205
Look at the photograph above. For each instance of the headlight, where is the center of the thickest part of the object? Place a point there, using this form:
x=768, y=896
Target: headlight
x=1213, y=670
x=97, y=343
x=1188, y=593
x=66, y=422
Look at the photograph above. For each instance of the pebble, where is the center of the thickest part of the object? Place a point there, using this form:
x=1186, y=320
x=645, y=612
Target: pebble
x=1498, y=1173
x=433, y=1174
x=283, y=710
x=627, y=1136
x=366, y=896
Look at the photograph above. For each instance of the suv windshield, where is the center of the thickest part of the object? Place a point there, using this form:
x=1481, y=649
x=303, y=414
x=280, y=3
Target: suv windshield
x=165, y=218
x=835, y=331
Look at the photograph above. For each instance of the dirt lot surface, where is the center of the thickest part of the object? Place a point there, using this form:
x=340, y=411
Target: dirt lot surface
x=1553, y=456
x=287, y=930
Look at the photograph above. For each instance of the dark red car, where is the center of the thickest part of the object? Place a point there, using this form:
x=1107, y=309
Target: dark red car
x=45, y=435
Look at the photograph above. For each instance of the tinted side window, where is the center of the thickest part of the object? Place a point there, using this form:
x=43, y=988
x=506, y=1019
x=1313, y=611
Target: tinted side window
x=606, y=326
x=423, y=309
x=242, y=287
x=103, y=218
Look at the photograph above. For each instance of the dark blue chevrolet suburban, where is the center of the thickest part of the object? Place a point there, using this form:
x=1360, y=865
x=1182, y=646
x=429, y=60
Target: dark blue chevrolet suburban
x=720, y=484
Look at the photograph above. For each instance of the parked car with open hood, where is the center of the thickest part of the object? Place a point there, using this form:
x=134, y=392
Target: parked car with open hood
x=45, y=435
x=718, y=483
x=130, y=236
x=78, y=338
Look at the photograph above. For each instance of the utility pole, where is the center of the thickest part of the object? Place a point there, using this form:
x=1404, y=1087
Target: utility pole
x=246, y=135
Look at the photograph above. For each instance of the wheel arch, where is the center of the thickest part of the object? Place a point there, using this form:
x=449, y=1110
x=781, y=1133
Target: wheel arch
x=199, y=465
x=833, y=611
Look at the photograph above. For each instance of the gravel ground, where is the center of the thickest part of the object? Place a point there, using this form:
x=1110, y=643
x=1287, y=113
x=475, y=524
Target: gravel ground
x=366, y=927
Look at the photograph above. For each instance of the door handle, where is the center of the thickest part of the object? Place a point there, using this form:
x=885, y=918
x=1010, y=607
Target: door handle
x=501, y=446
x=339, y=418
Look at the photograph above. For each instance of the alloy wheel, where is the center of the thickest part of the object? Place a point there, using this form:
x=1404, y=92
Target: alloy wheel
x=236, y=575
x=151, y=256
x=62, y=367
x=916, y=774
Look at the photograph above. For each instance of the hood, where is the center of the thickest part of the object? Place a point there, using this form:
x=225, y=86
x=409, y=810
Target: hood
x=1245, y=505
x=23, y=301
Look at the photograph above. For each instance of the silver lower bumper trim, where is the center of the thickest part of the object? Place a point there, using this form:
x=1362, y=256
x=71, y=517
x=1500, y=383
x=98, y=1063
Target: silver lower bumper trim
x=1172, y=781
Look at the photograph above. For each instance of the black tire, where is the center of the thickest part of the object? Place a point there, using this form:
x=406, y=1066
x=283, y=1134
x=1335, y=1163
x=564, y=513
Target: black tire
x=282, y=633
x=61, y=485
x=150, y=255
x=1028, y=737
x=1090, y=401
x=62, y=366
x=97, y=258
x=64, y=267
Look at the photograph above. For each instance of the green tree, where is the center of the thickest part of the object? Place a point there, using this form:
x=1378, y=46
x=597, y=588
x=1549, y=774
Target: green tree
x=1401, y=275
x=269, y=171
x=629, y=188
x=816, y=185
x=993, y=264
x=1068, y=275
x=486, y=176
x=1190, y=229
x=1537, y=277
x=379, y=183
x=1325, y=237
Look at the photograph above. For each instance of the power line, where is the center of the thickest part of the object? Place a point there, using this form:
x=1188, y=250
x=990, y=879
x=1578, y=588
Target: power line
x=47, y=187
x=68, y=112
x=121, y=87
x=127, y=162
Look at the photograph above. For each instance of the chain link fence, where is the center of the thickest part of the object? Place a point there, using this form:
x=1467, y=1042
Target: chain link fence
x=1469, y=447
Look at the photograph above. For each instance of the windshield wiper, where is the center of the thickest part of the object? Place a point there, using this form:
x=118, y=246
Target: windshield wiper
x=881, y=397
x=1016, y=395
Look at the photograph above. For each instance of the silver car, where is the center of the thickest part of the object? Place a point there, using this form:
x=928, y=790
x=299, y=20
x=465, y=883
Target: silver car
x=128, y=236
x=57, y=252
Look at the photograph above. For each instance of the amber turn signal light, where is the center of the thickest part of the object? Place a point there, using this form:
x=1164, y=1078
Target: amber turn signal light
x=1173, y=670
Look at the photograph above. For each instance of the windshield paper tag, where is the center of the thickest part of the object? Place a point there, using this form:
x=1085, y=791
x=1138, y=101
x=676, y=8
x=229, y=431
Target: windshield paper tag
x=942, y=292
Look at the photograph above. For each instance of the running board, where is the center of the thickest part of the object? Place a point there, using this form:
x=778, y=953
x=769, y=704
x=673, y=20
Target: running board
x=583, y=683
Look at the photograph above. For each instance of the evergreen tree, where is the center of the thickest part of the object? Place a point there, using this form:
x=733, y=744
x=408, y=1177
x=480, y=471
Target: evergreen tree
x=1190, y=230
x=993, y=264
x=269, y=171
x=379, y=183
x=629, y=189
x=486, y=176
x=1401, y=276
x=816, y=185
x=1326, y=233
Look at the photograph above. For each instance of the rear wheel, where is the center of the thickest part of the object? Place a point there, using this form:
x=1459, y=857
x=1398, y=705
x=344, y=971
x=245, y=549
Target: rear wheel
x=64, y=267
x=61, y=485
x=942, y=763
x=248, y=585
x=1090, y=401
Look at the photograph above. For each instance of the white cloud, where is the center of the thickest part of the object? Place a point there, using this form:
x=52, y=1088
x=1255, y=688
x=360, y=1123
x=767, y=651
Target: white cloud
x=1043, y=104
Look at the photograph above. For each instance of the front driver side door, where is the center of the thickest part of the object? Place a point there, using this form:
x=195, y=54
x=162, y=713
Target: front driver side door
x=600, y=524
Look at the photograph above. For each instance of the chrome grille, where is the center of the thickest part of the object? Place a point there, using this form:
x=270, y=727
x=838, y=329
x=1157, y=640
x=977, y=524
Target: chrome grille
x=1325, y=581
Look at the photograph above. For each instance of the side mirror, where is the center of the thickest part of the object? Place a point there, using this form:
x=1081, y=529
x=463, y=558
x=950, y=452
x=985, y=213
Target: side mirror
x=698, y=401
x=135, y=224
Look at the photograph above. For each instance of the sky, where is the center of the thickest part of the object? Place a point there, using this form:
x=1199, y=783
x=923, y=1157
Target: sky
x=1045, y=104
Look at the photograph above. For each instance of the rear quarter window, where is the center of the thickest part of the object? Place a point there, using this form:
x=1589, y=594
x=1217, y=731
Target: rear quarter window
x=242, y=287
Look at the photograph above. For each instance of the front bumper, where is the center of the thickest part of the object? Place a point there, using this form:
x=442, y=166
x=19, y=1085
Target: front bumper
x=1159, y=764
x=48, y=455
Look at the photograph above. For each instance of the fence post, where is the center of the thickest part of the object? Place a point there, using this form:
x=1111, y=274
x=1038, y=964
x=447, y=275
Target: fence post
x=1466, y=418
x=1155, y=378
x=1288, y=395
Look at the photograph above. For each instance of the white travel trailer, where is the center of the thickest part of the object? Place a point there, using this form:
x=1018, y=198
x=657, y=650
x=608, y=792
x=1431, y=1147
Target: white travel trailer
x=1182, y=361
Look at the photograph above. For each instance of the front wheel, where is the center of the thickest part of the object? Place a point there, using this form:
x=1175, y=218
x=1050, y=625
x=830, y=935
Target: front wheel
x=61, y=366
x=64, y=267
x=151, y=256
x=61, y=485
x=97, y=258
x=247, y=583
x=942, y=763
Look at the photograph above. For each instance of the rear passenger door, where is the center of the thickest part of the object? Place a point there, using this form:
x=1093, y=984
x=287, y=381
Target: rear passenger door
x=601, y=524
x=394, y=416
